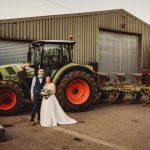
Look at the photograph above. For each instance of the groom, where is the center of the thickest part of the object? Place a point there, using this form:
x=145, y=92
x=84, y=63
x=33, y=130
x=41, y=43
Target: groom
x=37, y=84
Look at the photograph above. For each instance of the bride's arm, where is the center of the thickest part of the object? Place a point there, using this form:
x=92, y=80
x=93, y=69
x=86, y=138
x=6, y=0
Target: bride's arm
x=53, y=88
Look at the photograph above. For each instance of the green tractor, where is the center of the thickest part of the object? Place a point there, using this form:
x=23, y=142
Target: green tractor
x=76, y=84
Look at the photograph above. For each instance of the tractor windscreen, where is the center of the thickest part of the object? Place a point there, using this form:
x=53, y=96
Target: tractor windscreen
x=56, y=54
x=51, y=54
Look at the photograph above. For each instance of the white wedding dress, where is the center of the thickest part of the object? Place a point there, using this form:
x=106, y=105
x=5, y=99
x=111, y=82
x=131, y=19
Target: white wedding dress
x=51, y=112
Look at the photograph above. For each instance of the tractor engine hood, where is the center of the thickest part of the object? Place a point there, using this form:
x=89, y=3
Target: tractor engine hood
x=27, y=67
x=14, y=69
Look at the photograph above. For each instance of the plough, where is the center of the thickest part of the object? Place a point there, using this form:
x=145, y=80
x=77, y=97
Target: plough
x=119, y=89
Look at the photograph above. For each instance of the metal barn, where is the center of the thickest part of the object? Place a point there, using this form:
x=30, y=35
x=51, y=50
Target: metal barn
x=116, y=40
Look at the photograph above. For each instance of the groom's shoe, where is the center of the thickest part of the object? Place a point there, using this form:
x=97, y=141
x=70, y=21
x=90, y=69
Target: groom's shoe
x=32, y=123
x=38, y=122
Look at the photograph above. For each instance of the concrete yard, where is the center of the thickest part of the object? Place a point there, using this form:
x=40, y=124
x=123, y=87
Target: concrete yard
x=105, y=127
x=2, y=131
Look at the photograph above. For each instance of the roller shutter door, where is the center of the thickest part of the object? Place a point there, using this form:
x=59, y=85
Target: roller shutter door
x=13, y=52
x=118, y=52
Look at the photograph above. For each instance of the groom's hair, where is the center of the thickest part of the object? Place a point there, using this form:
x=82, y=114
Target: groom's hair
x=40, y=68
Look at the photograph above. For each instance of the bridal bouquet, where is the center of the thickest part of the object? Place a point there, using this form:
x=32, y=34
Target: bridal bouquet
x=46, y=93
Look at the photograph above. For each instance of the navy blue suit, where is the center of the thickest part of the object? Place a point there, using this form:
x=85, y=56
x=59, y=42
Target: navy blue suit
x=37, y=97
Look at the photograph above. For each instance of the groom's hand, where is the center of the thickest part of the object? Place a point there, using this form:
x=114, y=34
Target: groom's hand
x=32, y=98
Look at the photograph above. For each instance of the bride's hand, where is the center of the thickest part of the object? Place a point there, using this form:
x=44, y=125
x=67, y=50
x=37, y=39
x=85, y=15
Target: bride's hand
x=32, y=98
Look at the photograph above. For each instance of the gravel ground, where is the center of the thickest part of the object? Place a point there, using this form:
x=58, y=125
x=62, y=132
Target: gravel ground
x=106, y=126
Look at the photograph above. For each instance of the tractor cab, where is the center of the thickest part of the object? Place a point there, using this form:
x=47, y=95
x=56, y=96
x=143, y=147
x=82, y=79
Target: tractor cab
x=50, y=54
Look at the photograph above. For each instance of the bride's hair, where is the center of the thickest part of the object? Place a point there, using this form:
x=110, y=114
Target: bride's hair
x=48, y=76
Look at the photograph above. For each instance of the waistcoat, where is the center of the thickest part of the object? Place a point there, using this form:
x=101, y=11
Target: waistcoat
x=38, y=86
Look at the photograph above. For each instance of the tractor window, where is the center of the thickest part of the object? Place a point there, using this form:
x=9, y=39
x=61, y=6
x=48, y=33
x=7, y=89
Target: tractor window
x=36, y=55
x=65, y=54
x=48, y=46
x=52, y=54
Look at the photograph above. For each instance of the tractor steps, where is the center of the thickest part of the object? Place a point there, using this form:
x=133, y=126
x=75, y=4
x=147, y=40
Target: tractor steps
x=2, y=131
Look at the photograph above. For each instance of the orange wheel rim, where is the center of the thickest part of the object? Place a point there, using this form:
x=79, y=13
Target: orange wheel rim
x=78, y=92
x=8, y=99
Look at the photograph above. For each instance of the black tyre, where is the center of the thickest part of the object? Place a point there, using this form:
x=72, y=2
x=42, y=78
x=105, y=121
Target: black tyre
x=11, y=97
x=76, y=91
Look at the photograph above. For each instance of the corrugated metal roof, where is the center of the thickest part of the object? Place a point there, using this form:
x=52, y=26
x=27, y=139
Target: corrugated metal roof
x=70, y=15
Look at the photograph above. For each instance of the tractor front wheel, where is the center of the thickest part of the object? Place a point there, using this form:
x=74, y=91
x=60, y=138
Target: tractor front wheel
x=76, y=91
x=11, y=96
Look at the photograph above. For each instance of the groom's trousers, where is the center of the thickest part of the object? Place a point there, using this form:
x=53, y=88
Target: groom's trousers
x=36, y=107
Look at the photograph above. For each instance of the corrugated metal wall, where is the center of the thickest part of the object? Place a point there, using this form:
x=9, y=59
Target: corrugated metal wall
x=12, y=52
x=85, y=30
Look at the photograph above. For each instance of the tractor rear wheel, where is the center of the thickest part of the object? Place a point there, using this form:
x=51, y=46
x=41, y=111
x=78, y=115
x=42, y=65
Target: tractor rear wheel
x=11, y=96
x=76, y=91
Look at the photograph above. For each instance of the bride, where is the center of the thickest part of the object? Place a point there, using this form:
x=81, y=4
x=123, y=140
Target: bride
x=51, y=112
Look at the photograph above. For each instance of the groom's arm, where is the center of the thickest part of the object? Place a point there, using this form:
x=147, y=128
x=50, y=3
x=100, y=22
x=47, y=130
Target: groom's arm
x=32, y=88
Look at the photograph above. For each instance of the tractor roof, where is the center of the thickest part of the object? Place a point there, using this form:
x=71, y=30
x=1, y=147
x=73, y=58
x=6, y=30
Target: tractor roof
x=41, y=42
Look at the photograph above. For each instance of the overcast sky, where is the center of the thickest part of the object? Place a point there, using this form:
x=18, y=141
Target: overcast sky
x=29, y=8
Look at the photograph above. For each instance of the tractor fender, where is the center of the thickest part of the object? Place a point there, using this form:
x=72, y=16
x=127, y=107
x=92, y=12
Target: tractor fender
x=71, y=67
x=11, y=78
